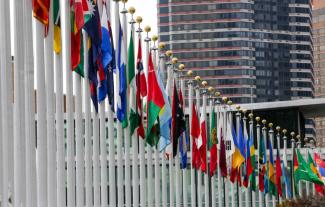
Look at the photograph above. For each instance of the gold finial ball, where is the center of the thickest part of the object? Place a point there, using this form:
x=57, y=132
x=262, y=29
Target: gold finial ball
x=237, y=107
x=131, y=10
x=225, y=99
x=244, y=111
x=298, y=136
x=147, y=28
x=174, y=60
x=284, y=131
x=264, y=121
x=251, y=115
x=138, y=19
x=270, y=125
x=210, y=89
x=229, y=102
x=204, y=83
x=278, y=128
x=306, y=140
x=189, y=73
x=217, y=94
x=124, y=1
x=161, y=45
x=181, y=66
x=197, y=78
x=292, y=134
x=169, y=53
x=154, y=38
x=258, y=119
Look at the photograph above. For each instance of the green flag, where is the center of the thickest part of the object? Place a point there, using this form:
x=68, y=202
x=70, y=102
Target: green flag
x=134, y=121
x=304, y=172
x=57, y=28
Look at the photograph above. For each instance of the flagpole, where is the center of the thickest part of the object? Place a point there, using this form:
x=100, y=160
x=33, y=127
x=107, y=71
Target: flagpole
x=59, y=118
x=278, y=136
x=190, y=106
x=293, y=145
x=258, y=137
x=199, y=173
x=143, y=187
x=29, y=109
x=6, y=100
x=120, y=186
x=206, y=175
x=184, y=171
x=156, y=150
x=300, y=182
x=312, y=147
x=251, y=129
x=213, y=193
x=238, y=124
x=19, y=171
x=95, y=158
x=150, y=183
x=111, y=137
x=41, y=115
x=248, y=189
x=217, y=94
x=264, y=131
x=307, y=154
x=88, y=151
x=126, y=131
x=134, y=138
x=227, y=181
x=284, y=153
x=271, y=137
x=163, y=159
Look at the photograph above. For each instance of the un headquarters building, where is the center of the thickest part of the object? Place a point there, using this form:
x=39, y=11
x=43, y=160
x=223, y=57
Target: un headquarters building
x=243, y=47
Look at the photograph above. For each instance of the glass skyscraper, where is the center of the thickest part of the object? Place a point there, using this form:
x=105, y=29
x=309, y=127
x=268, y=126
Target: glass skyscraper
x=259, y=49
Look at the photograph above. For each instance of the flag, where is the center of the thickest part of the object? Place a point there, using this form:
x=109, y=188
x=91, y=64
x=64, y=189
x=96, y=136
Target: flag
x=286, y=181
x=121, y=62
x=213, y=144
x=303, y=172
x=320, y=163
x=178, y=120
x=154, y=105
x=250, y=161
x=278, y=173
x=165, y=117
x=57, y=26
x=271, y=171
x=133, y=119
x=110, y=68
x=238, y=157
x=262, y=163
x=203, y=142
x=222, y=157
x=195, y=133
x=41, y=12
x=141, y=85
x=183, y=141
x=318, y=188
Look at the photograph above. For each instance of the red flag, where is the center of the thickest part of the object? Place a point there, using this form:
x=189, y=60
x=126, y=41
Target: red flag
x=278, y=174
x=79, y=14
x=222, y=158
x=261, y=178
x=213, y=159
x=195, y=133
x=203, y=147
x=41, y=12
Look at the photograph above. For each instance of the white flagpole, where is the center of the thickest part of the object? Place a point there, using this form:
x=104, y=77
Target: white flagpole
x=271, y=136
x=50, y=115
x=156, y=150
x=206, y=175
x=300, y=182
x=251, y=129
x=199, y=172
x=226, y=182
x=163, y=159
x=19, y=148
x=96, y=172
x=213, y=193
x=88, y=151
x=247, y=190
x=60, y=143
x=127, y=129
x=278, y=136
x=6, y=100
x=66, y=58
x=258, y=137
x=41, y=115
x=267, y=196
x=1, y=137
x=239, y=193
x=284, y=155
x=220, y=201
x=190, y=106
x=120, y=186
x=149, y=150
x=111, y=137
x=184, y=171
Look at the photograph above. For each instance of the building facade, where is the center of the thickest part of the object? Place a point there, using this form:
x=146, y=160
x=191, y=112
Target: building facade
x=319, y=60
x=259, y=49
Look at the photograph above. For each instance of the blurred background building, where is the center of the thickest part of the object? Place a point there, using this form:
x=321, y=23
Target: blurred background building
x=319, y=61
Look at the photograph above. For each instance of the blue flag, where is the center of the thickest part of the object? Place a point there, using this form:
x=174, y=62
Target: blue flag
x=122, y=104
x=183, y=143
x=286, y=181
